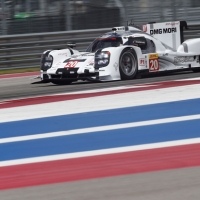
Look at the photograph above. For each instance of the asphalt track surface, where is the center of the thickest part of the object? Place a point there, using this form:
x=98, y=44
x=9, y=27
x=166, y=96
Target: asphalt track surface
x=21, y=87
x=167, y=184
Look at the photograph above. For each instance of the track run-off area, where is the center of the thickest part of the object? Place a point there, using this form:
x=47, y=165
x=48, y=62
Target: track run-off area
x=140, y=137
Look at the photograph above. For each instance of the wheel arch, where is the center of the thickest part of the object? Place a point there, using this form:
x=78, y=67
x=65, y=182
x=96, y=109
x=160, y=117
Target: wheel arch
x=137, y=51
x=115, y=52
x=128, y=68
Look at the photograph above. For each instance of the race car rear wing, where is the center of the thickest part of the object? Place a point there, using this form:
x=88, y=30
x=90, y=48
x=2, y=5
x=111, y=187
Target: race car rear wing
x=170, y=33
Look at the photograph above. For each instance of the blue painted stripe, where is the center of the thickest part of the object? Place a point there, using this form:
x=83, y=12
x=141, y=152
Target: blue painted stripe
x=101, y=140
x=100, y=118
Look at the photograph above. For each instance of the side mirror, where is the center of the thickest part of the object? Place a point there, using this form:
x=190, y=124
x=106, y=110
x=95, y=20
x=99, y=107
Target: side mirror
x=71, y=44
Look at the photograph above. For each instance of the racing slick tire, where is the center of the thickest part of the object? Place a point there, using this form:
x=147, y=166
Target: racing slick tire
x=128, y=64
x=61, y=82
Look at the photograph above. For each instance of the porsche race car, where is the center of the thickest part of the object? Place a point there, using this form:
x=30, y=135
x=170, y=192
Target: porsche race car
x=123, y=53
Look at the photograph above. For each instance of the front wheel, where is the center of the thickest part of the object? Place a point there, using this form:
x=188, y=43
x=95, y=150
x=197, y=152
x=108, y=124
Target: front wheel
x=128, y=65
x=61, y=82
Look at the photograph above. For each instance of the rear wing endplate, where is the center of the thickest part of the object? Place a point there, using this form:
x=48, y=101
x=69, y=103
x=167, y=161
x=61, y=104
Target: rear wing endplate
x=170, y=33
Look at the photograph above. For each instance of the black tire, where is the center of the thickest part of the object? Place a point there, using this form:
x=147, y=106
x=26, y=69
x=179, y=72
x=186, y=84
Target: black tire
x=196, y=69
x=61, y=82
x=128, y=65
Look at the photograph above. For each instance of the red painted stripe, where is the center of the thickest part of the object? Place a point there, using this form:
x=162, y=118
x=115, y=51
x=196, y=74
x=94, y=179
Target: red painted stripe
x=99, y=166
x=17, y=75
x=64, y=97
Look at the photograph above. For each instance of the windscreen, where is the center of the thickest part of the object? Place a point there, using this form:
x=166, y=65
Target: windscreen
x=101, y=43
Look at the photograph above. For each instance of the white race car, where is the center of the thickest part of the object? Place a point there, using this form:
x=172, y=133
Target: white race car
x=122, y=53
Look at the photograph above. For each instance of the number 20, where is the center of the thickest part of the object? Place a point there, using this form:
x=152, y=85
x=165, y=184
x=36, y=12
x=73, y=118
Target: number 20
x=154, y=65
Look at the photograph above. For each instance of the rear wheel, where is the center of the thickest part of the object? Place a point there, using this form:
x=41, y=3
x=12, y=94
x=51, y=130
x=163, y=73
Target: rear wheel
x=61, y=82
x=128, y=64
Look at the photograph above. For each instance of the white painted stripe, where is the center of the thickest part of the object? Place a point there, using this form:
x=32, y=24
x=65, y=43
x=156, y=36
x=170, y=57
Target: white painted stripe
x=99, y=128
x=100, y=103
x=189, y=79
x=111, y=89
x=99, y=152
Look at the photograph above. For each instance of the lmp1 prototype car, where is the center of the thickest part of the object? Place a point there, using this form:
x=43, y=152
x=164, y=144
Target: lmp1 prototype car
x=122, y=53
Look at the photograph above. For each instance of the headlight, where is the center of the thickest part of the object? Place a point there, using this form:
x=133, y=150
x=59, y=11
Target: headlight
x=49, y=58
x=103, y=62
x=102, y=59
x=46, y=62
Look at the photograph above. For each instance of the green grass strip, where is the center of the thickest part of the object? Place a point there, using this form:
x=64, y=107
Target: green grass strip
x=21, y=70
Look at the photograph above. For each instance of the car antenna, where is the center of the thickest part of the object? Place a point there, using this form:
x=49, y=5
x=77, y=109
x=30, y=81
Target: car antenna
x=126, y=27
x=131, y=23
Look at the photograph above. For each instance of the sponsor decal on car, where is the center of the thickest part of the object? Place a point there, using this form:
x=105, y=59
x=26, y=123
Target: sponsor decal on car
x=115, y=66
x=91, y=62
x=165, y=54
x=144, y=28
x=63, y=54
x=153, y=62
x=183, y=59
x=120, y=28
x=58, y=64
x=172, y=23
x=71, y=64
x=142, y=61
x=163, y=31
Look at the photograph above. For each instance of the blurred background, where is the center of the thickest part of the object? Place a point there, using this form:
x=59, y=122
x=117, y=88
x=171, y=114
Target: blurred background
x=37, y=16
x=29, y=27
